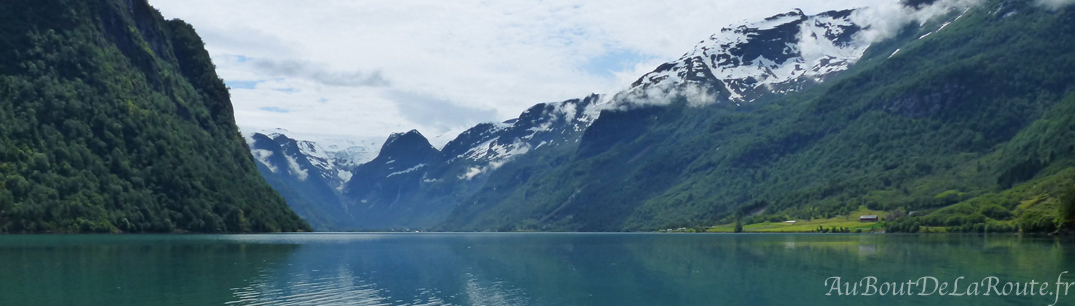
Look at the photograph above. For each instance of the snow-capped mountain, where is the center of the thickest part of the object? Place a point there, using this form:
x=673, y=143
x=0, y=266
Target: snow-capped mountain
x=411, y=184
x=408, y=183
x=745, y=62
x=310, y=171
x=540, y=125
x=333, y=156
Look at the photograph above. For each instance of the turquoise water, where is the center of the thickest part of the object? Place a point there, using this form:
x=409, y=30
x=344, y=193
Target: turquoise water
x=522, y=269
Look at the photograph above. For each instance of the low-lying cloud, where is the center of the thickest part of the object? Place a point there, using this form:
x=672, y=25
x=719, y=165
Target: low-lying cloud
x=319, y=74
x=885, y=20
x=663, y=93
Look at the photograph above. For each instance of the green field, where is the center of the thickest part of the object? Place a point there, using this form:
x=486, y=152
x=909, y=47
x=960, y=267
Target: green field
x=809, y=226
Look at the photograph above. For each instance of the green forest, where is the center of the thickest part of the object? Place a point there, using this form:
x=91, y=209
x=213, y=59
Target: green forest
x=113, y=119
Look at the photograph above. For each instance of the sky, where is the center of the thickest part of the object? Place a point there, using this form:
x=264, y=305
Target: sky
x=367, y=69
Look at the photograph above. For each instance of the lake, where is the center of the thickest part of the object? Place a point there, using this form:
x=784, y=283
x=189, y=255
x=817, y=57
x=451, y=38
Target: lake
x=533, y=269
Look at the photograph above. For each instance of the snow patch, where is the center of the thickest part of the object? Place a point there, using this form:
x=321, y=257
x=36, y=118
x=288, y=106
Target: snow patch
x=412, y=169
x=821, y=47
x=332, y=156
x=944, y=25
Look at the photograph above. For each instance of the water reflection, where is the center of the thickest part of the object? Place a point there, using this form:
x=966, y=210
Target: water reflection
x=378, y=269
x=129, y=270
x=510, y=269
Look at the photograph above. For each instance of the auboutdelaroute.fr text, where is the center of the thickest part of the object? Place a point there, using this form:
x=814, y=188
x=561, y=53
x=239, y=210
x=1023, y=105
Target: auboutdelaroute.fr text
x=929, y=285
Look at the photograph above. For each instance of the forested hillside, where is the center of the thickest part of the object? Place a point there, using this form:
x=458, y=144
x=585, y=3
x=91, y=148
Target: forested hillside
x=114, y=120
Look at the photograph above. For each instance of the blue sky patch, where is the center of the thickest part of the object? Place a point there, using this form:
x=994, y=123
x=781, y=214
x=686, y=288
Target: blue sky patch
x=613, y=61
x=242, y=84
x=275, y=110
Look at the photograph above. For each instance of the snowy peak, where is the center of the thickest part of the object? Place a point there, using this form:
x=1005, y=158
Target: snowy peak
x=329, y=156
x=472, y=137
x=280, y=155
x=744, y=62
x=540, y=125
x=343, y=151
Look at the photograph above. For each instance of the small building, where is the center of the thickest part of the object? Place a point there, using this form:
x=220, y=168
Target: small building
x=868, y=218
x=790, y=222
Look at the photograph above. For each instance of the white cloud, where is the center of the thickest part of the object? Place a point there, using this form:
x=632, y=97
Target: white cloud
x=296, y=169
x=317, y=73
x=339, y=67
x=884, y=20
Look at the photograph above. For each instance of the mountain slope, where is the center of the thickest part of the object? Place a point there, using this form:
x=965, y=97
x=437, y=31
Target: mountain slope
x=899, y=130
x=379, y=189
x=742, y=66
x=310, y=171
x=113, y=120
x=758, y=60
x=412, y=185
x=767, y=59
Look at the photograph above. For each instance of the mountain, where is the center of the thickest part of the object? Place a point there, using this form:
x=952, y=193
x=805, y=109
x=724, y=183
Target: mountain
x=310, y=173
x=330, y=157
x=742, y=64
x=542, y=124
x=113, y=119
x=412, y=185
x=336, y=183
x=379, y=185
x=962, y=122
x=752, y=61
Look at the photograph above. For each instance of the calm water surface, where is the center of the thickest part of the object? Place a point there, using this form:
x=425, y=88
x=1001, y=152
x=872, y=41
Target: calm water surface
x=518, y=269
